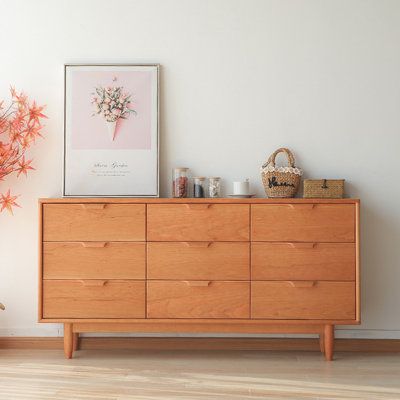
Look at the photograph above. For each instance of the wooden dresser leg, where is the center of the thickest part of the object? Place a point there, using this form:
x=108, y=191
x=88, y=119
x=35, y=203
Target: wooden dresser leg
x=321, y=342
x=75, y=346
x=329, y=339
x=68, y=340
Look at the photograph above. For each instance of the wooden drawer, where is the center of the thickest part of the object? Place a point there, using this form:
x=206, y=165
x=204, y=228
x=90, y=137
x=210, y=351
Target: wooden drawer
x=94, y=260
x=198, y=299
x=303, y=300
x=303, y=222
x=93, y=222
x=93, y=299
x=198, y=260
x=197, y=222
x=303, y=261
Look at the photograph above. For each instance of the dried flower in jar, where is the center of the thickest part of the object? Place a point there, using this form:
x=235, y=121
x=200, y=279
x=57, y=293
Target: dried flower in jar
x=179, y=182
x=180, y=186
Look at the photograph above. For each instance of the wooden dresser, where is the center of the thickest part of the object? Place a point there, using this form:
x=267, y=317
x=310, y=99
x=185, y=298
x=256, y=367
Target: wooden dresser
x=199, y=265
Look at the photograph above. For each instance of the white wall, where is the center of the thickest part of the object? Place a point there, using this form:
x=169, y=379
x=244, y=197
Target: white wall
x=239, y=79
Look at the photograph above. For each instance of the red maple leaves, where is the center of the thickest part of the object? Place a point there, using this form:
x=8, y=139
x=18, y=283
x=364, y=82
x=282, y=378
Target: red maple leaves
x=20, y=126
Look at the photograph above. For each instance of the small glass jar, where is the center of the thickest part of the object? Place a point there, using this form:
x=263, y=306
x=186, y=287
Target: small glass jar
x=214, y=187
x=180, y=182
x=199, y=187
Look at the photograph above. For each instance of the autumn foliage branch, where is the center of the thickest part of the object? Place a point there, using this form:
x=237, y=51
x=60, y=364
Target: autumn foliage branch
x=20, y=126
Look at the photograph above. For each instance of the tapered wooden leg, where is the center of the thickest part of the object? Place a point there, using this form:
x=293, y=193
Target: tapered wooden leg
x=328, y=340
x=321, y=342
x=68, y=340
x=75, y=345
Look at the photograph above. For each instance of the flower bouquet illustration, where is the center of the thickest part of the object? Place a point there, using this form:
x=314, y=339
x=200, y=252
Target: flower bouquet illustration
x=112, y=103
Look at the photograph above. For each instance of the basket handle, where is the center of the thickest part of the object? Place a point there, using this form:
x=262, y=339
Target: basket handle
x=289, y=155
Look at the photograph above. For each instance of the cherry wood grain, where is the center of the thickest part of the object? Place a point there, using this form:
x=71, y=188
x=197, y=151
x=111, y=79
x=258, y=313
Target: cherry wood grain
x=303, y=222
x=188, y=200
x=304, y=257
x=75, y=341
x=197, y=222
x=303, y=261
x=68, y=341
x=358, y=264
x=292, y=299
x=198, y=260
x=94, y=260
x=329, y=336
x=197, y=325
x=93, y=299
x=212, y=299
x=212, y=325
x=321, y=342
x=40, y=262
x=94, y=222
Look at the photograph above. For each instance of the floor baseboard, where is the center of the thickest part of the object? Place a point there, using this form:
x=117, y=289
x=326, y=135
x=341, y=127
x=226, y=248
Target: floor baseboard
x=110, y=343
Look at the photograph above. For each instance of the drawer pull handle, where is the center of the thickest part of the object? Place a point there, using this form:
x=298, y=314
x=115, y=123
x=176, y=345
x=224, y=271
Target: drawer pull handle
x=198, y=206
x=302, y=245
x=302, y=284
x=309, y=206
x=202, y=245
x=93, y=206
x=93, y=244
x=198, y=283
x=93, y=282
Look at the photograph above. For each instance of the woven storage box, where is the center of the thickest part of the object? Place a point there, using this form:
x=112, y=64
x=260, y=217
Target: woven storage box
x=280, y=182
x=323, y=188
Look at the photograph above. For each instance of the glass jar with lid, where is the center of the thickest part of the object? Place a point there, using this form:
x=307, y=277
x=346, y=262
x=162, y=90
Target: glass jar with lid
x=214, y=186
x=199, y=186
x=180, y=182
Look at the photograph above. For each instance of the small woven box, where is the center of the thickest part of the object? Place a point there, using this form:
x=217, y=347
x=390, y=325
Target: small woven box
x=323, y=188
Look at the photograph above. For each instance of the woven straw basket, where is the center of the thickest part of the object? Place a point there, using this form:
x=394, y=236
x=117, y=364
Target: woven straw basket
x=281, y=181
x=324, y=188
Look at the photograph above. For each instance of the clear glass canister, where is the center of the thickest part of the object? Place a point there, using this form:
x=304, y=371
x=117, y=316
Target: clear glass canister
x=214, y=187
x=180, y=182
x=199, y=186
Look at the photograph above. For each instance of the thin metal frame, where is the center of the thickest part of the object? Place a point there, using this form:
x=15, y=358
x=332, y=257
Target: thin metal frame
x=158, y=126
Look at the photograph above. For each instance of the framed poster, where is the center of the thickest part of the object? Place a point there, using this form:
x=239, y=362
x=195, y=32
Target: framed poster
x=111, y=130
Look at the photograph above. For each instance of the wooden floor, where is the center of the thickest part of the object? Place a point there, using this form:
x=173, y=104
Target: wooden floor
x=119, y=374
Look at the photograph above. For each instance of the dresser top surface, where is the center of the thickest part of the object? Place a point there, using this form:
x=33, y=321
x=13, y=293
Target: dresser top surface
x=159, y=200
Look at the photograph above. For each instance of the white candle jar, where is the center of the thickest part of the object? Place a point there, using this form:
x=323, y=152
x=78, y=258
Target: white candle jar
x=241, y=188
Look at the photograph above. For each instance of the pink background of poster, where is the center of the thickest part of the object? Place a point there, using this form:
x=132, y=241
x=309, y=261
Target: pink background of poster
x=90, y=132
